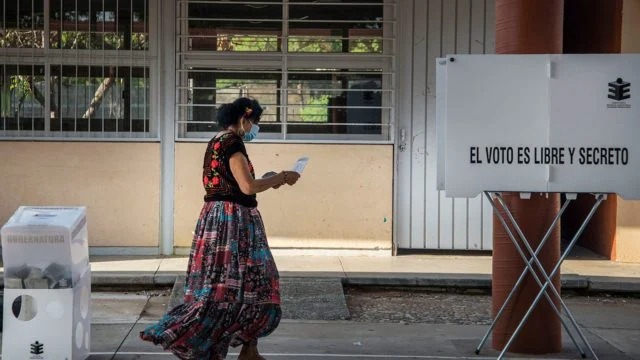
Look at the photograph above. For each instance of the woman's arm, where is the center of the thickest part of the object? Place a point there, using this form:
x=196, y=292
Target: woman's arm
x=248, y=185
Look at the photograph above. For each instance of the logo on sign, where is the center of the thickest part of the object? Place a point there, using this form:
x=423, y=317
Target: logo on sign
x=37, y=348
x=619, y=91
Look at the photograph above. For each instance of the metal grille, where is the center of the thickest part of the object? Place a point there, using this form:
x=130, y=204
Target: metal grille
x=76, y=69
x=323, y=69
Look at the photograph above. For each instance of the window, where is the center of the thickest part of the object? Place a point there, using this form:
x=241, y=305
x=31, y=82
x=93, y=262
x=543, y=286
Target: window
x=234, y=26
x=208, y=87
x=22, y=24
x=83, y=73
x=99, y=99
x=341, y=26
x=330, y=101
x=22, y=97
x=99, y=25
x=322, y=69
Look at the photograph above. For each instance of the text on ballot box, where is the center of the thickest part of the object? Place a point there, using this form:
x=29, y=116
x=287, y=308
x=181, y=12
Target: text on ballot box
x=47, y=279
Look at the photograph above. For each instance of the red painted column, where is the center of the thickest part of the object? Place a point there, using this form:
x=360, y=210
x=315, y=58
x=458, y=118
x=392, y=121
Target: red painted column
x=527, y=27
x=602, y=35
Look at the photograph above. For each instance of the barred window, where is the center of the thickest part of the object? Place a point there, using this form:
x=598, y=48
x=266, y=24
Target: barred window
x=22, y=98
x=234, y=26
x=99, y=99
x=76, y=69
x=347, y=26
x=97, y=24
x=22, y=24
x=322, y=69
x=207, y=87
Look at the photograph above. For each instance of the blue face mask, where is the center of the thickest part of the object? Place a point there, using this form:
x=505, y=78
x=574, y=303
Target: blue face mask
x=252, y=133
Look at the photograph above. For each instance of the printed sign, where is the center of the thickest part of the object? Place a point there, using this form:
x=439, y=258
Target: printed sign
x=538, y=123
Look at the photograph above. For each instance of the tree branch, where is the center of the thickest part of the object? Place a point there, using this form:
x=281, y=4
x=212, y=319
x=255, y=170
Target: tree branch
x=106, y=84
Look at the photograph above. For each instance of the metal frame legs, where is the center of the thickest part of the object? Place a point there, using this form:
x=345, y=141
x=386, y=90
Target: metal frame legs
x=530, y=269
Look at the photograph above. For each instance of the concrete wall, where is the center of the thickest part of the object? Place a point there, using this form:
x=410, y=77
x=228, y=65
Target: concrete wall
x=627, y=245
x=118, y=182
x=343, y=200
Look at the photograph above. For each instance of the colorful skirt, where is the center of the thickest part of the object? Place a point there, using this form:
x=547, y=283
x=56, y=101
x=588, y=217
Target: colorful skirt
x=232, y=291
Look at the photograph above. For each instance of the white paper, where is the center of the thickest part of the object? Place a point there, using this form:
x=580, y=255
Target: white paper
x=300, y=165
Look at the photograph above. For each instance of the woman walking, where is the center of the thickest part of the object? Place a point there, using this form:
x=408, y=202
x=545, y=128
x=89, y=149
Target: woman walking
x=232, y=293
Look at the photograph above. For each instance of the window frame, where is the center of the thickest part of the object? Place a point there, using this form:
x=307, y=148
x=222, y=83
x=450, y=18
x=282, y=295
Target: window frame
x=51, y=57
x=282, y=61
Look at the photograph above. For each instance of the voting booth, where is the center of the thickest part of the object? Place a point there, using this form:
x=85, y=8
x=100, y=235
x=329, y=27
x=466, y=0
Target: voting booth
x=47, y=279
x=538, y=124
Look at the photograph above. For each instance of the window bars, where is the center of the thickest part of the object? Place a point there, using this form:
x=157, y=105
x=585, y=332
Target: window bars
x=76, y=69
x=324, y=70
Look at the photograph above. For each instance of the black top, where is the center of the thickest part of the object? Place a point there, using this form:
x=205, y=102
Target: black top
x=217, y=178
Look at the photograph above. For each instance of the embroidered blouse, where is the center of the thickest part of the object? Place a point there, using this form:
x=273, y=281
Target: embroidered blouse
x=218, y=181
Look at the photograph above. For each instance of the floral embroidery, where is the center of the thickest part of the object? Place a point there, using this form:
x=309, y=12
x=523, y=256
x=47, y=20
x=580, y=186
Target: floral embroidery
x=214, y=174
x=217, y=178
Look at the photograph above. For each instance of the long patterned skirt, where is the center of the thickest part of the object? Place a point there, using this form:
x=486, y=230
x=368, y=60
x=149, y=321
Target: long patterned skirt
x=232, y=292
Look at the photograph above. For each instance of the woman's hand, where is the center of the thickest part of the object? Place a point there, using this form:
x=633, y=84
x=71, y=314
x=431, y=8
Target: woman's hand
x=287, y=177
x=248, y=185
x=291, y=177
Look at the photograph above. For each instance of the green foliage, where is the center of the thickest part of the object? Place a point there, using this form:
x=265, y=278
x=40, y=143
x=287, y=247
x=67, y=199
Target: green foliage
x=98, y=41
x=314, y=44
x=366, y=46
x=22, y=39
x=229, y=83
x=315, y=109
x=13, y=38
x=248, y=43
x=5, y=100
x=19, y=84
x=296, y=44
x=21, y=88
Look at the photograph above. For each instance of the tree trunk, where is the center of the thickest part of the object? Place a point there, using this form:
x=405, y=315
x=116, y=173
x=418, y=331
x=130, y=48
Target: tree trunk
x=106, y=84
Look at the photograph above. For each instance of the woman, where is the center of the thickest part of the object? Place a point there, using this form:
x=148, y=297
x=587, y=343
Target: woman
x=232, y=289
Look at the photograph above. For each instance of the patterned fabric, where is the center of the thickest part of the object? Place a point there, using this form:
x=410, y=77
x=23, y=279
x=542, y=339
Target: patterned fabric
x=217, y=179
x=232, y=292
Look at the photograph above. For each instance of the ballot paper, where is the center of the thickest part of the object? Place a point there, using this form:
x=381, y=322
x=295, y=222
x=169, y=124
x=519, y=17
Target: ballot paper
x=300, y=165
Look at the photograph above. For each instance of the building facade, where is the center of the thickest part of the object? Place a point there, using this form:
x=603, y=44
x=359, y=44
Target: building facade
x=109, y=104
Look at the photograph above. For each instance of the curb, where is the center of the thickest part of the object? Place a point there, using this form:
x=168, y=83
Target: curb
x=448, y=281
x=595, y=284
x=614, y=285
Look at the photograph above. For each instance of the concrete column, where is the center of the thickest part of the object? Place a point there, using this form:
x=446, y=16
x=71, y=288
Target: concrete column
x=527, y=27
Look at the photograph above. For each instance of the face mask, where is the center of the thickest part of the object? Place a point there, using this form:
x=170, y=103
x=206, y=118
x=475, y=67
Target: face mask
x=252, y=133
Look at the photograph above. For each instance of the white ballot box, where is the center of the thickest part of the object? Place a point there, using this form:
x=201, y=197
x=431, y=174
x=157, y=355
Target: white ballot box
x=47, y=296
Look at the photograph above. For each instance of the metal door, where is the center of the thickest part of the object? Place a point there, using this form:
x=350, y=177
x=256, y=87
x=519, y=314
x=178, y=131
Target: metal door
x=425, y=219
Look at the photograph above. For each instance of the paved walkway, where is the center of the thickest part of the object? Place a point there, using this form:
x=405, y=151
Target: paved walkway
x=612, y=329
x=585, y=273
x=614, y=332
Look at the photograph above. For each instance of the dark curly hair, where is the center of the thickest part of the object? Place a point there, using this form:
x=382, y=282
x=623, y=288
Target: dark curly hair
x=228, y=114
